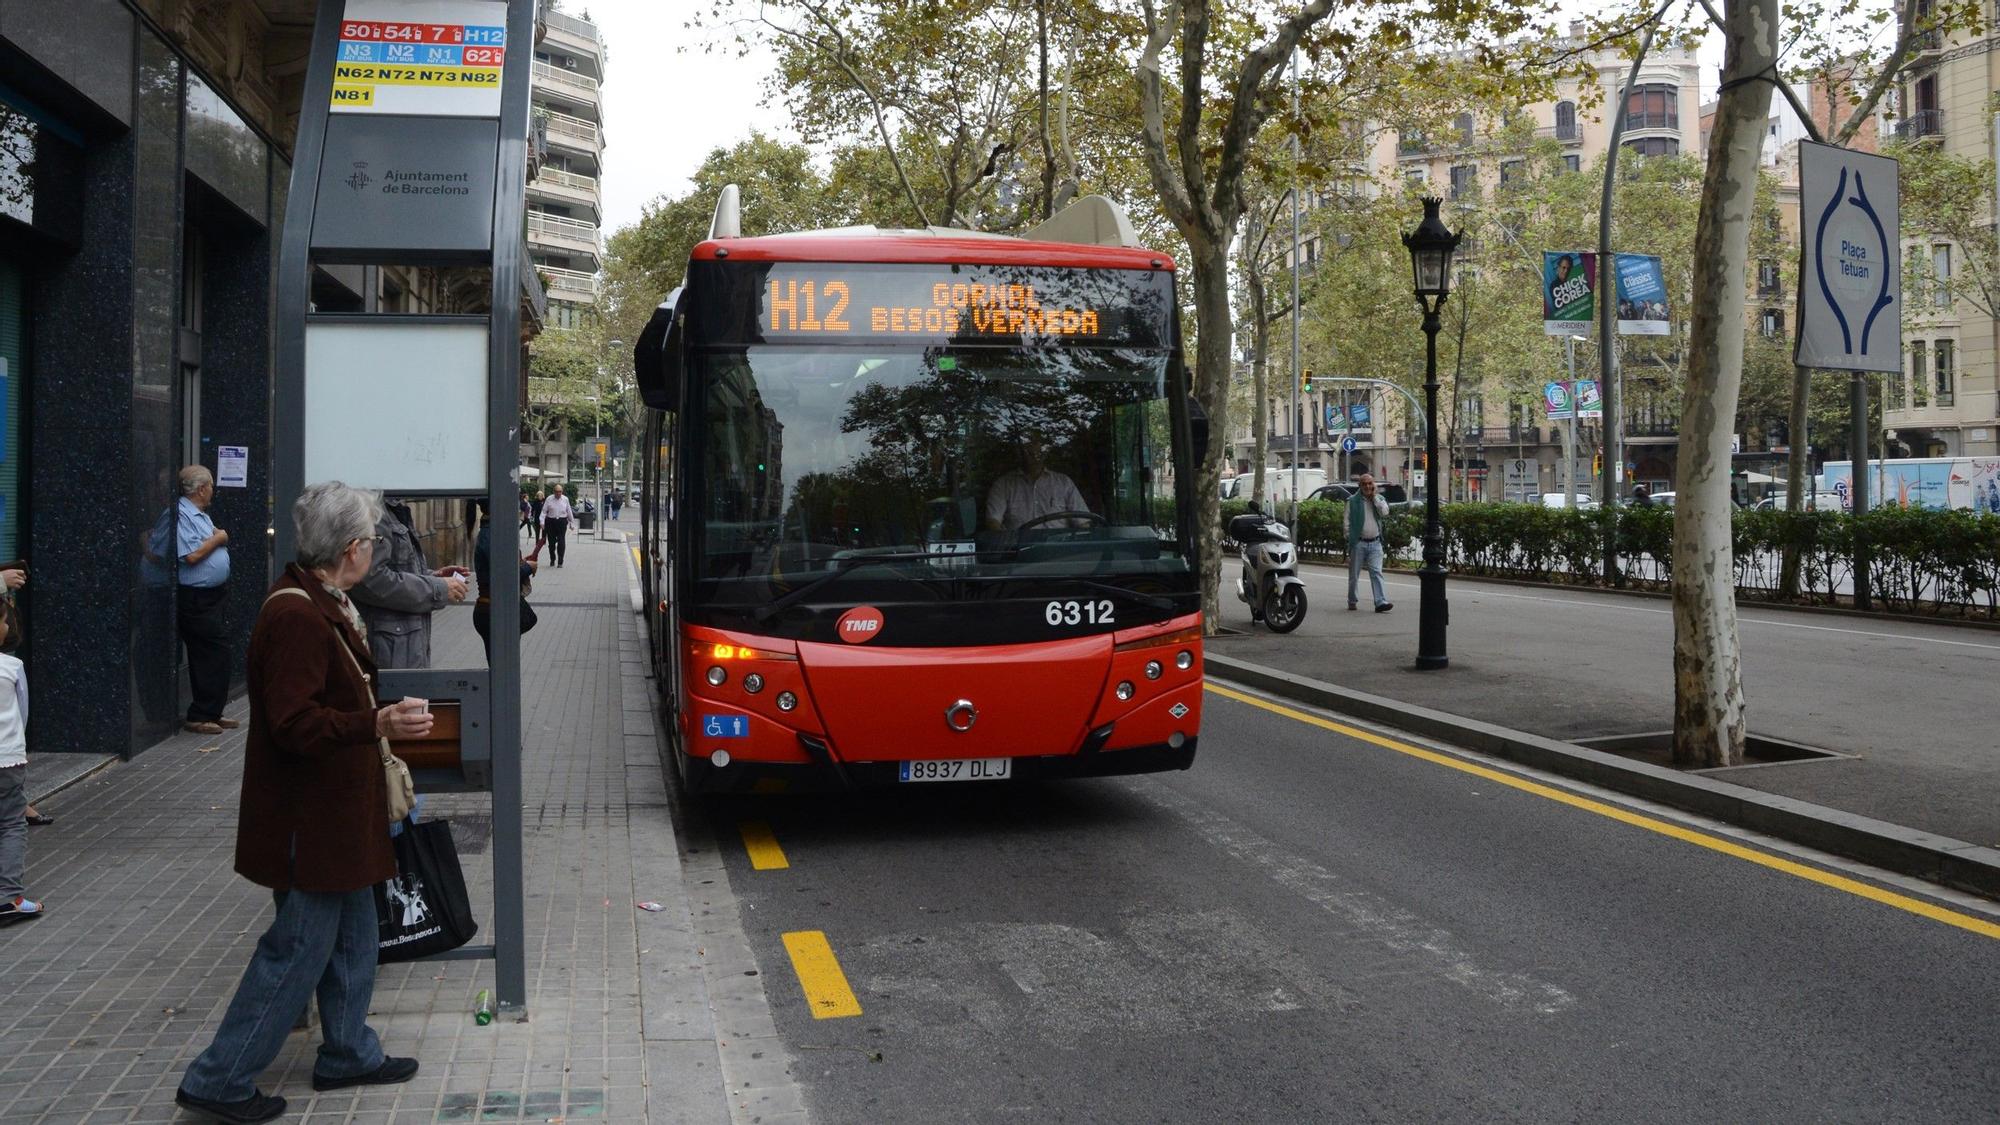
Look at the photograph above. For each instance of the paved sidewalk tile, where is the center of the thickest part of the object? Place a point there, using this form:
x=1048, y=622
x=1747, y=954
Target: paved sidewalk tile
x=149, y=929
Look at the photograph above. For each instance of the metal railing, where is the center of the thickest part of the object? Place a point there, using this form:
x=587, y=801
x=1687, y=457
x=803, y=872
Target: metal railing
x=569, y=281
x=562, y=125
x=563, y=76
x=1569, y=132
x=1922, y=123
x=582, y=29
x=557, y=226
x=556, y=177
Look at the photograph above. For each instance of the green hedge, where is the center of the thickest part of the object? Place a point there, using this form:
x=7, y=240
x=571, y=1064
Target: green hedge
x=1924, y=561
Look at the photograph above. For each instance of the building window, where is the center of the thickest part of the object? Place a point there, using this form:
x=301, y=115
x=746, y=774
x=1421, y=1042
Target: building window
x=1654, y=146
x=1565, y=121
x=1896, y=391
x=1573, y=163
x=1415, y=177
x=1465, y=128
x=1472, y=415
x=1510, y=171
x=1947, y=391
x=1768, y=282
x=1941, y=275
x=1773, y=322
x=1919, y=355
x=1464, y=181
x=1653, y=107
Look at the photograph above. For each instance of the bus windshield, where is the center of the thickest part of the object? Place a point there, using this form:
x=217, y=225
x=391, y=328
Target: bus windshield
x=897, y=473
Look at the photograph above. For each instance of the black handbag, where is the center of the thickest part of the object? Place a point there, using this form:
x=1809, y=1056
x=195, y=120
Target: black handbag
x=424, y=910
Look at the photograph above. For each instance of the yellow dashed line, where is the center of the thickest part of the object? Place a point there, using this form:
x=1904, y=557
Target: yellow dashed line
x=1687, y=835
x=825, y=986
x=765, y=854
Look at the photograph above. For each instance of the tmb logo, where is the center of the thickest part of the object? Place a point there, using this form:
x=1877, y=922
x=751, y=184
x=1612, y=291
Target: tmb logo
x=859, y=625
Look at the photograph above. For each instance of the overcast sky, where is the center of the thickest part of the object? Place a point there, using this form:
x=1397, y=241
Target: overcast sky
x=665, y=108
x=667, y=104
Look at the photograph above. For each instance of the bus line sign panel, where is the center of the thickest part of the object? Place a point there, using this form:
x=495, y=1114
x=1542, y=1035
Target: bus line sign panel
x=436, y=58
x=941, y=303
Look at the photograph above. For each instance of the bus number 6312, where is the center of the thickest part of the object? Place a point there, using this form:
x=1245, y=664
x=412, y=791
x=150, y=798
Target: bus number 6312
x=1077, y=613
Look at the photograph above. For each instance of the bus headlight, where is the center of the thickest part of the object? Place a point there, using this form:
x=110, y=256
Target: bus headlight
x=1153, y=669
x=1124, y=690
x=716, y=675
x=1184, y=660
x=787, y=701
x=753, y=683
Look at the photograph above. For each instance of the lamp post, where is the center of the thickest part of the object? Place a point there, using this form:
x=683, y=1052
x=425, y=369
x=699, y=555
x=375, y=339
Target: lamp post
x=1431, y=248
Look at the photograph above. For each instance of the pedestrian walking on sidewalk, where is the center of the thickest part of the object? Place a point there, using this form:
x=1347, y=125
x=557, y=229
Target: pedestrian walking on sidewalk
x=401, y=591
x=313, y=825
x=1367, y=512
x=527, y=515
x=201, y=602
x=556, y=514
x=15, y=905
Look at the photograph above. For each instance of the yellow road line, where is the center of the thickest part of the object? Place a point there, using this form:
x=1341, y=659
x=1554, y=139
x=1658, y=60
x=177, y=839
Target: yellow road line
x=636, y=560
x=825, y=986
x=1687, y=835
x=765, y=854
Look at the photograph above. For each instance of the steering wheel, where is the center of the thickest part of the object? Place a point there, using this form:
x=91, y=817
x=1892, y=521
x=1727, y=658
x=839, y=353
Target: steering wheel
x=1053, y=516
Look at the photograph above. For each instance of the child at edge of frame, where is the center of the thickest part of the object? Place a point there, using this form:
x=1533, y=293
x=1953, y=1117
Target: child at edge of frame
x=15, y=906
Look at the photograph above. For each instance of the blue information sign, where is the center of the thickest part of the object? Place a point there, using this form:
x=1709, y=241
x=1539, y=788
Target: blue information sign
x=725, y=726
x=1348, y=445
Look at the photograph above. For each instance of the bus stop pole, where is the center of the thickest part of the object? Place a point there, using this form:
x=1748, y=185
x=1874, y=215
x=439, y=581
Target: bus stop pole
x=510, y=968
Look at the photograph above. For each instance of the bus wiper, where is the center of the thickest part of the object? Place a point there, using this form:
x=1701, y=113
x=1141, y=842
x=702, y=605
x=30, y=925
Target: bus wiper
x=842, y=566
x=1150, y=601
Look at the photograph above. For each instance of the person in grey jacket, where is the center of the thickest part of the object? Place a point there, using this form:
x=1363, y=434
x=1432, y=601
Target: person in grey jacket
x=401, y=592
x=1367, y=511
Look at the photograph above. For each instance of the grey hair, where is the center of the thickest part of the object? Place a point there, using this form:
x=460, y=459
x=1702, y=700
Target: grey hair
x=194, y=478
x=330, y=515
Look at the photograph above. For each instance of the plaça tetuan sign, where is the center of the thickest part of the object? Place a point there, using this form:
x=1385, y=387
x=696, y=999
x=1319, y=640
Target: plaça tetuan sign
x=1850, y=260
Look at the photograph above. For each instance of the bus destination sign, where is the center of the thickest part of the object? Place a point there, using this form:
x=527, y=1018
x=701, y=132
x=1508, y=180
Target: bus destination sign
x=966, y=305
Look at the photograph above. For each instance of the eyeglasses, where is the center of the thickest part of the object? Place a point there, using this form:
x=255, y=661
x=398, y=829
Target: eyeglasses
x=372, y=540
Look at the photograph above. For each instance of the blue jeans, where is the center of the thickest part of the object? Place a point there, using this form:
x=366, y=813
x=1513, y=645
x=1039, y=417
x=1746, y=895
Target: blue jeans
x=318, y=941
x=1360, y=554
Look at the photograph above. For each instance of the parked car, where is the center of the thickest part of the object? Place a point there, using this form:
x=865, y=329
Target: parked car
x=1395, y=494
x=1561, y=500
x=1815, y=501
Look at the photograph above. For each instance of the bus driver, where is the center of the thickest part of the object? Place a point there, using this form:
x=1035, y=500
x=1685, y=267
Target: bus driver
x=1032, y=491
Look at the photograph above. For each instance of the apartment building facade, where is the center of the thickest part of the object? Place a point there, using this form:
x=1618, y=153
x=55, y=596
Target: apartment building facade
x=1465, y=164
x=565, y=198
x=1945, y=402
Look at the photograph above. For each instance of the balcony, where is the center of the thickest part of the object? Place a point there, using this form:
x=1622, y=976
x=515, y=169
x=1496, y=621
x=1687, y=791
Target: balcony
x=573, y=236
x=575, y=133
x=1415, y=144
x=579, y=35
x=565, y=187
x=1928, y=42
x=569, y=285
x=1568, y=134
x=1922, y=123
x=566, y=83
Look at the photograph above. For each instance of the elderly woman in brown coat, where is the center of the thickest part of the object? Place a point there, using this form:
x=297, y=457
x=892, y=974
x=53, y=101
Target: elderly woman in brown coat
x=314, y=822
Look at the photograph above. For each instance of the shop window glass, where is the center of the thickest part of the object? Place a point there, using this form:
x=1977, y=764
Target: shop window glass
x=13, y=320
x=224, y=151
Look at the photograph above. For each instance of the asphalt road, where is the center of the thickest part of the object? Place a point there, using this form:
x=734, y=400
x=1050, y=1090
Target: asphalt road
x=1312, y=927
x=1914, y=706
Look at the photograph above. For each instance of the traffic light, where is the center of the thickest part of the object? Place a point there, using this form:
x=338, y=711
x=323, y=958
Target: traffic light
x=1307, y=384
x=1597, y=465
x=600, y=455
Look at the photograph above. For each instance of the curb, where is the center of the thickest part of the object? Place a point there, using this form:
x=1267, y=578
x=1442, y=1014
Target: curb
x=1908, y=851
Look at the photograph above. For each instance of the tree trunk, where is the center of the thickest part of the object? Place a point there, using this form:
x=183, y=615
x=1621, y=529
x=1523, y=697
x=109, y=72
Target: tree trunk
x=1795, y=475
x=1708, y=670
x=1211, y=389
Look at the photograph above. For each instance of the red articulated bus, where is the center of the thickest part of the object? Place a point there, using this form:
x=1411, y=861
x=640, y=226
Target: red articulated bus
x=920, y=507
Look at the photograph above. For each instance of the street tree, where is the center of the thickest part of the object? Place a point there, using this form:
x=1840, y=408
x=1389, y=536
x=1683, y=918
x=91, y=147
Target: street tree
x=1708, y=671
x=562, y=383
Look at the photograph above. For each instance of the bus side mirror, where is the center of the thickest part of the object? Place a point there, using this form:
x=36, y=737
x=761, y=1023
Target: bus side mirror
x=659, y=357
x=1198, y=426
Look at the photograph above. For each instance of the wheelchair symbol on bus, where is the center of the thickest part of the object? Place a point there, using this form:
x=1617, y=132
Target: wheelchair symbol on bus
x=726, y=726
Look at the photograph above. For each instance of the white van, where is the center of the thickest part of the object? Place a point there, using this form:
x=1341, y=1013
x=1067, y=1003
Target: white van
x=1278, y=484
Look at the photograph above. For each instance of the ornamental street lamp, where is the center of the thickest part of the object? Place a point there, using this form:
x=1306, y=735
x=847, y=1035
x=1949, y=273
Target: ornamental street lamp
x=1431, y=248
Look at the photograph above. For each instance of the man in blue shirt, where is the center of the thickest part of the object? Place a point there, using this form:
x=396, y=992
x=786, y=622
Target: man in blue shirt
x=201, y=601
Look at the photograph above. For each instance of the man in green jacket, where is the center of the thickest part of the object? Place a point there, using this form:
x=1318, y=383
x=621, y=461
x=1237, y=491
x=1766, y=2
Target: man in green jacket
x=1367, y=511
